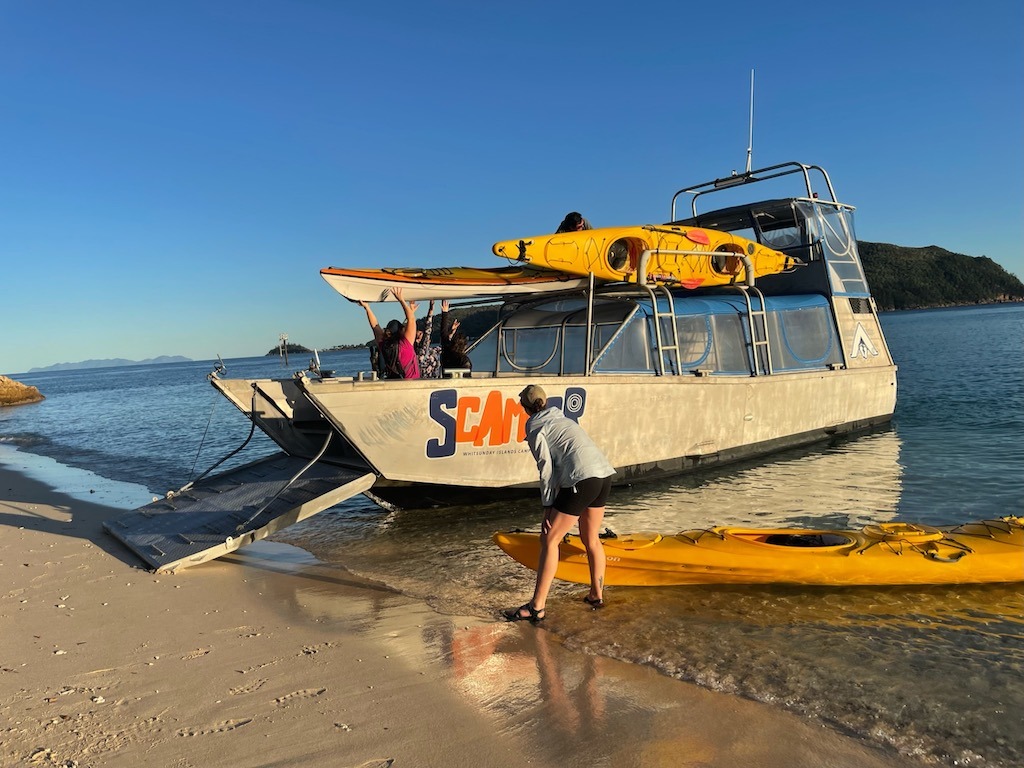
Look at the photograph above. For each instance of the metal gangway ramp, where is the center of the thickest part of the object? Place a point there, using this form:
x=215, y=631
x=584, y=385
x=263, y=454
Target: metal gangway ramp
x=232, y=509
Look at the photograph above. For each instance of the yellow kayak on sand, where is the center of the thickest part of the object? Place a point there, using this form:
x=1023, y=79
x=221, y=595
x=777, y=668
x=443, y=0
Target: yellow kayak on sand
x=690, y=256
x=883, y=554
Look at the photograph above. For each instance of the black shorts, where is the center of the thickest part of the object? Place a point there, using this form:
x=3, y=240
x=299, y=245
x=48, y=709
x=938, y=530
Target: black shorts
x=586, y=494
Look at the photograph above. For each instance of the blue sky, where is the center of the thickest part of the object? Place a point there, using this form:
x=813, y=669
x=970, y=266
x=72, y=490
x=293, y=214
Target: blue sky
x=174, y=175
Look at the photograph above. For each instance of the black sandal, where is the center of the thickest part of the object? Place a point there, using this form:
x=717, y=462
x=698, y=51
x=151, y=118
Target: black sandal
x=533, y=615
x=593, y=602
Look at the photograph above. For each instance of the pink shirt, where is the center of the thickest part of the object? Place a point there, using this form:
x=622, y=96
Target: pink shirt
x=407, y=361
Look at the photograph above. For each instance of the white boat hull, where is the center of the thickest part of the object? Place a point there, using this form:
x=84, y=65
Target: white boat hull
x=468, y=432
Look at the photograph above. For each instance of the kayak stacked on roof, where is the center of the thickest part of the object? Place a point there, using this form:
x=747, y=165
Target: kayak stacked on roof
x=717, y=336
x=684, y=255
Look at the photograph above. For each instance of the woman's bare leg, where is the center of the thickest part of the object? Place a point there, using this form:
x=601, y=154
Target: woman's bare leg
x=590, y=533
x=559, y=524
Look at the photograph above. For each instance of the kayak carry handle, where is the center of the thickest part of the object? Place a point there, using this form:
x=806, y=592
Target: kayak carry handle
x=940, y=559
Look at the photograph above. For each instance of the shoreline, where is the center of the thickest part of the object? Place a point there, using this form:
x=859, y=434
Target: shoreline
x=268, y=656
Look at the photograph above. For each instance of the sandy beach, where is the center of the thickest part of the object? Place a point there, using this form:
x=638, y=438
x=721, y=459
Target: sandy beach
x=269, y=658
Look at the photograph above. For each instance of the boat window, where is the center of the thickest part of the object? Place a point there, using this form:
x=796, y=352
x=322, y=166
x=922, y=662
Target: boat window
x=484, y=351
x=746, y=232
x=832, y=226
x=694, y=341
x=712, y=335
x=730, y=345
x=783, y=238
x=802, y=338
x=532, y=350
x=551, y=338
x=628, y=353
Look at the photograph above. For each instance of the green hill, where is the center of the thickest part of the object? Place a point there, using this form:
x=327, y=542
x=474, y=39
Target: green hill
x=290, y=348
x=917, y=278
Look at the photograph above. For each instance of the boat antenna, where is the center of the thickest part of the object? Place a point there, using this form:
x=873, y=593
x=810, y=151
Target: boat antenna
x=750, y=141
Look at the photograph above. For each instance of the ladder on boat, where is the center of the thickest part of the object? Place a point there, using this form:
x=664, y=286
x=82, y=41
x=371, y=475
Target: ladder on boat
x=757, y=327
x=671, y=351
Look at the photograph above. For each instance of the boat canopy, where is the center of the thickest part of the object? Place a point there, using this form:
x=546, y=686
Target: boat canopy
x=810, y=229
x=702, y=335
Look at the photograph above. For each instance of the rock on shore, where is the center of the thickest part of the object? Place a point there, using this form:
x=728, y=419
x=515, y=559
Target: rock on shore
x=15, y=393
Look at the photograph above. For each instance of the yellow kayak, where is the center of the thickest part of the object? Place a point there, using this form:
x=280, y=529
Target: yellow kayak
x=697, y=257
x=883, y=554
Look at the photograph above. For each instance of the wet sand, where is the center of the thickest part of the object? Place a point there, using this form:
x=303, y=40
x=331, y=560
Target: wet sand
x=269, y=658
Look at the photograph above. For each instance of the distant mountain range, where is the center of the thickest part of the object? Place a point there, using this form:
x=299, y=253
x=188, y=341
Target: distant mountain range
x=112, y=363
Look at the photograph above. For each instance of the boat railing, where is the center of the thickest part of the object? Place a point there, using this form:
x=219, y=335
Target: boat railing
x=645, y=258
x=753, y=177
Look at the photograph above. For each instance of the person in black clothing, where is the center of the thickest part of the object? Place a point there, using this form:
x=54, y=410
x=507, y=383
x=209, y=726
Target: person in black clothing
x=453, y=342
x=573, y=222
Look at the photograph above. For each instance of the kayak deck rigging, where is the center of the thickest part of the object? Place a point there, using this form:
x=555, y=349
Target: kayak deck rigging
x=986, y=551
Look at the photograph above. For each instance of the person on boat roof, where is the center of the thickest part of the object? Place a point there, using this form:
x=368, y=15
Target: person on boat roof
x=575, y=479
x=573, y=222
x=397, y=354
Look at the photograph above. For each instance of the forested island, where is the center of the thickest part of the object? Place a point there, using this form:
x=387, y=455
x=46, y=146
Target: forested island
x=919, y=278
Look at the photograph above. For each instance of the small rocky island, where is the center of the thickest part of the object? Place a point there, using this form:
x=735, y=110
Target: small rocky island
x=15, y=393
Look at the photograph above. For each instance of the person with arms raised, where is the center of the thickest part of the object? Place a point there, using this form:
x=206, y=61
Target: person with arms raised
x=395, y=342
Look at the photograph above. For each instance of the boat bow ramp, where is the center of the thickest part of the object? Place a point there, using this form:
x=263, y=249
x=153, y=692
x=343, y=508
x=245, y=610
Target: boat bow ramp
x=232, y=509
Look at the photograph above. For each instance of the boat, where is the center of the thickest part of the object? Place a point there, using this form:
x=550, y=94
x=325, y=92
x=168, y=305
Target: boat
x=688, y=255
x=664, y=378
x=883, y=554
x=424, y=284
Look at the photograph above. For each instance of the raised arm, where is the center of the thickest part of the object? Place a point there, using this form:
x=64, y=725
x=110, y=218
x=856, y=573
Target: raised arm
x=428, y=328
x=378, y=334
x=410, y=315
x=446, y=323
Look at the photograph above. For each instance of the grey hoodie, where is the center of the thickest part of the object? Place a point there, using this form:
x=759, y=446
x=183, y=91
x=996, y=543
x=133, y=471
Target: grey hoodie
x=564, y=453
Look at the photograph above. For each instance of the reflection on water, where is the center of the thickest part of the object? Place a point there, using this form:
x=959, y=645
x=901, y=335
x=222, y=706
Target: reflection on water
x=936, y=671
x=931, y=671
x=844, y=486
x=446, y=555
x=550, y=700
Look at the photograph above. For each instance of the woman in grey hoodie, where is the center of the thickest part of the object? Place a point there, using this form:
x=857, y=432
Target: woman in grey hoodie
x=575, y=478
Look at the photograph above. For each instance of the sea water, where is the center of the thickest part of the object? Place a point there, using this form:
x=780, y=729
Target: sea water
x=932, y=671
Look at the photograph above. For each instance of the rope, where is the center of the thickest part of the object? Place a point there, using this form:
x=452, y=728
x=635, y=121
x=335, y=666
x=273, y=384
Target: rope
x=287, y=485
x=202, y=440
x=252, y=430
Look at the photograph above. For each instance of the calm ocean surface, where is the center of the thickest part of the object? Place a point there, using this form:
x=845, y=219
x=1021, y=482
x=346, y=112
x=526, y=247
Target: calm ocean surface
x=937, y=672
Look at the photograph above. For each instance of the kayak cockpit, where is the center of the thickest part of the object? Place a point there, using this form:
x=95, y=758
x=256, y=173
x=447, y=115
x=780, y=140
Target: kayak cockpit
x=794, y=539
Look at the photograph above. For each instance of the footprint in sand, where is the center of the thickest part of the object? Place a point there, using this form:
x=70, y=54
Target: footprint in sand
x=307, y=693
x=255, y=685
x=227, y=725
x=311, y=650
